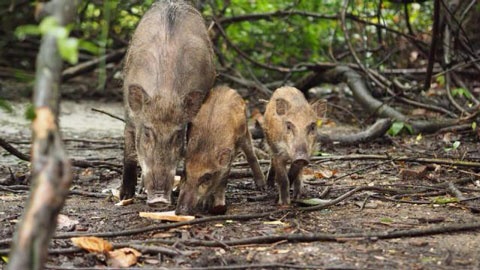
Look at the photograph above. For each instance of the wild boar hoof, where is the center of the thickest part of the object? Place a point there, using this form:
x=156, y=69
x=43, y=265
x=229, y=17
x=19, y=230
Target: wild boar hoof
x=126, y=193
x=218, y=210
x=156, y=200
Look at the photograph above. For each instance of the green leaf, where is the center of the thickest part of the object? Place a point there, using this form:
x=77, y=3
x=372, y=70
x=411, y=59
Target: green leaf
x=409, y=128
x=5, y=259
x=68, y=49
x=444, y=200
x=30, y=112
x=47, y=24
x=386, y=220
x=22, y=31
x=474, y=126
x=461, y=92
x=6, y=106
x=441, y=80
x=456, y=144
x=396, y=128
x=88, y=46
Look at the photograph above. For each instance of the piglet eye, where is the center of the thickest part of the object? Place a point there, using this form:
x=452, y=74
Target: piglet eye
x=312, y=128
x=290, y=126
x=205, y=179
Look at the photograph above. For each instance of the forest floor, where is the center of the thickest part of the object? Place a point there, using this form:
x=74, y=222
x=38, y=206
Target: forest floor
x=418, y=199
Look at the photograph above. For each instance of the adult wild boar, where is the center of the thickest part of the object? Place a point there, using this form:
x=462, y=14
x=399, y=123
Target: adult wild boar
x=169, y=69
x=218, y=130
x=290, y=126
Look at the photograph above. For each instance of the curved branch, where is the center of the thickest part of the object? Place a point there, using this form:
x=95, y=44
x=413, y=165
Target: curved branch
x=362, y=95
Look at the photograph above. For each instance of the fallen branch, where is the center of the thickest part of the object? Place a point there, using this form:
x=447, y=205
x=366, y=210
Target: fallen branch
x=440, y=161
x=362, y=95
x=90, y=65
x=374, y=131
x=325, y=237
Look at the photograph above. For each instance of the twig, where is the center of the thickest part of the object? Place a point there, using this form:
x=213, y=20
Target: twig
x=441, y=161
x=109, y=114
x=12, y=150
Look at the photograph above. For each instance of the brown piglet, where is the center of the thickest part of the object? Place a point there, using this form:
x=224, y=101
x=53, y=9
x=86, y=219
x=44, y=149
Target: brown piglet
x=215, y=135
x=290, y=126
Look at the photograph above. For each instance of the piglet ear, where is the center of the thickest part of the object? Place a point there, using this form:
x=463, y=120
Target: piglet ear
x=136, y=97
x=320, y=108
x=282, y=106
x=192, y=103
x=224, y=156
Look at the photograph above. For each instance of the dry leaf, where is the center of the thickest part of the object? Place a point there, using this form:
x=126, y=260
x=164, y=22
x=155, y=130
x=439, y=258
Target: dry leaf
x=124, y=202
x=414, y=173
x=92, y=244
x=124, y=257
x=64, y=221
x=168, y=215
x=325, y=173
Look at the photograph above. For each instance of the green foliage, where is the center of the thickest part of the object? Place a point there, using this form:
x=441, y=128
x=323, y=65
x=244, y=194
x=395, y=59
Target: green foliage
x=444, y=200
x=30, y=112
x=6, y=106
x=461, y=92
x=397, y=127
x=454, y=146
x=386, y=220
x=67, y=46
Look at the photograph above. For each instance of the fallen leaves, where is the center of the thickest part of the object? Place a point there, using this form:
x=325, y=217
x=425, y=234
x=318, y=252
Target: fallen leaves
x=123, y=257
x=92, y=244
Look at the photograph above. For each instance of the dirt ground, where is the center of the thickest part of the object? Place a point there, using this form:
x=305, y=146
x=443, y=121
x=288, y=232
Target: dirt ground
x=96, y=137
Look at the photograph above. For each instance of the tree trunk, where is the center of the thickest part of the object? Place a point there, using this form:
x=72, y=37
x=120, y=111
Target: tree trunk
x=51, y=172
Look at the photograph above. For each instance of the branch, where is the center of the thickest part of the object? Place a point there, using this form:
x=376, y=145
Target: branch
x=363, y=96
x=51, y=169
x=325, y=237
x=374, y=131
x=90, y=65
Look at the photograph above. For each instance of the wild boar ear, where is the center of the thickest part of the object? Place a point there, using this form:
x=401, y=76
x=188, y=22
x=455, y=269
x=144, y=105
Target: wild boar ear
x=224, y=157
x=192, y=103
x=320, y=108
x=282, y=106
x=137, y=97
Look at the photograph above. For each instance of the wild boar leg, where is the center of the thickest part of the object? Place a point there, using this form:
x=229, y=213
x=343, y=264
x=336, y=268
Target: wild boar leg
x=295, y=177
x=271, y=175
x=252, y=160
x=281, y=178
x=129, y=180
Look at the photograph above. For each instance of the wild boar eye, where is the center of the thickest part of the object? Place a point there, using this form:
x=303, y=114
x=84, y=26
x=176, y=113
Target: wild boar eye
x=290, y=126
x=147, y=132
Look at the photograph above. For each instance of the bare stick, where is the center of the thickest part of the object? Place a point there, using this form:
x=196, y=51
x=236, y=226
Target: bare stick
x=51, y=169
x=109, y=114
